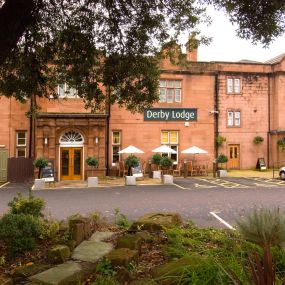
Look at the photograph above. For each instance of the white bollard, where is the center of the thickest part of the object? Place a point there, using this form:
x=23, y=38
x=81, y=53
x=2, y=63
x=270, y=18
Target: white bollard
x=130, y=180
x=39, y=184
x=92, y=181
x=167, y=179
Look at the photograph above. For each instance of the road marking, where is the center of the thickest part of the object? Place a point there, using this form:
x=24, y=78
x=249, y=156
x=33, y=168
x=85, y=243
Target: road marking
x=4, y=184
x=197, y=185
x=222, y=221
x=224, y=183
x=271, y=181
x=179, y=186
x=264, y=185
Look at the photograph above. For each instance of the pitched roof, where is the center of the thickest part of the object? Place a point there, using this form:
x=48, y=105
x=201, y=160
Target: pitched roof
x=276, y=59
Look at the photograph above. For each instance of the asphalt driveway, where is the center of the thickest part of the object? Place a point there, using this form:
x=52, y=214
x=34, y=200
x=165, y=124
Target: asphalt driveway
x=194, y=199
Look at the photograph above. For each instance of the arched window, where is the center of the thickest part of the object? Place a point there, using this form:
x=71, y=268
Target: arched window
x=71, y=138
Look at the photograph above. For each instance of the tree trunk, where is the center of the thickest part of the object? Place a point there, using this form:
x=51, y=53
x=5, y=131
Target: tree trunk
x=15, y=16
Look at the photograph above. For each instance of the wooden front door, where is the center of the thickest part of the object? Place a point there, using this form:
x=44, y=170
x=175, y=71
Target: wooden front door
x=71, y=163
x=234, y=157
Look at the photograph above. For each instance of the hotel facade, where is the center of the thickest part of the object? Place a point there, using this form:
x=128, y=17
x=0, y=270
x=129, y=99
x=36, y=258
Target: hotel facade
x=237, y=101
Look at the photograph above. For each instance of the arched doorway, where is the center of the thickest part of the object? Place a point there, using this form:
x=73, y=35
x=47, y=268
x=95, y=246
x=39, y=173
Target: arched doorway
x=71, y=156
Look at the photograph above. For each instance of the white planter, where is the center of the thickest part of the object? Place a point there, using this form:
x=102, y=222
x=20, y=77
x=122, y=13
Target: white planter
x=92, y=181
x=130, y=180
x=167, y=179
x=39, y=184
x=222, y=173
x=156, y=174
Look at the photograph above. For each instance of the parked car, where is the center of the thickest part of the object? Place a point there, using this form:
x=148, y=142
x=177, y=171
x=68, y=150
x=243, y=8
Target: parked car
x=282, y=173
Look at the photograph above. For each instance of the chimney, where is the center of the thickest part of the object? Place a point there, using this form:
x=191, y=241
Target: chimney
x=192, y=48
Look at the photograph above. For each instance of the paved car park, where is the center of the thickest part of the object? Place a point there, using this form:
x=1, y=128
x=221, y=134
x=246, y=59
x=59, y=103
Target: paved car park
x=203, y=200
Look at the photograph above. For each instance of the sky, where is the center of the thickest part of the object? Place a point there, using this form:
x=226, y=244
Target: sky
x=226, y=46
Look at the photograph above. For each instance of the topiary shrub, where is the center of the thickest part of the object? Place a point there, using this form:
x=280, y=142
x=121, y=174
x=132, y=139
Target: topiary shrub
x=19, y=232
x=221, y=159
x=281, y=143
x=166, y=162
x=40, y=163
x=27, y=205
x=92, y=161
x=156, y=158
x=131, y=161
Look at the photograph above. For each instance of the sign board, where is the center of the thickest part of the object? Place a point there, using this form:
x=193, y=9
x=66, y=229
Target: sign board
x=137, y=171
x=171, y=114
x=47, y=172
x=261, y=164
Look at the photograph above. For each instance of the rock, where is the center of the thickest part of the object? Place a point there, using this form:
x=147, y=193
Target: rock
x=86, y=227
x=58, y=254
x=122, y=256
x=123, y=275
x=168, y=271
x=71, y=244
x=91, y=251
x=157, y=221
x=30, y=270
x=77, y=233
x=101, y=236
x=69, y=273
x=131, y=241
x=5, y=280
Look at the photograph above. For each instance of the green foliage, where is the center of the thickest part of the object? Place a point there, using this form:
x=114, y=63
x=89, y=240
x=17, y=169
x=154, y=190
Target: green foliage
x=105, y=280
x=27, y=205
x=19, y=231
x=105, y=267
x=166, y=162
x=132, y=161
x=40, y=162
x=2, y=260
x=220, y=140
x=121, y=219
x=156, y=158
x=92, y=161
x=281, y=143
x=258, y=140
x=222, y=158
x=264, y=227
x=48, y=229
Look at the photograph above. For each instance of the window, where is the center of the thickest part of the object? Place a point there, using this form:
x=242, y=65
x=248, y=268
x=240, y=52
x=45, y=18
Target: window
x=233, y=118
x=170, y=91
x=21, y=143
x=64, y=91
x=116, y=146
x=233, y=85
x=170, y=138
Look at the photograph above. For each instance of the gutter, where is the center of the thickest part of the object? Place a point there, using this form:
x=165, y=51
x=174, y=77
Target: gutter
x=107, y=151
x=216, y=114
x=269, y=122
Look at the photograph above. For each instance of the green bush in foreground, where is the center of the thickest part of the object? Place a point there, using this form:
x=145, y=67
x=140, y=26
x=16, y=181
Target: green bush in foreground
x=19, y=231
x=105, y=280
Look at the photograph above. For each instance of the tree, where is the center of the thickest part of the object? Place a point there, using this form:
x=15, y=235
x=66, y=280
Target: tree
x=114, y=44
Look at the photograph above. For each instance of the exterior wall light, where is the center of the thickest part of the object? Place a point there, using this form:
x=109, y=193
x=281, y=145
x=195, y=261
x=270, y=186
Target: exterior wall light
x=46, y=141
x=96, y=140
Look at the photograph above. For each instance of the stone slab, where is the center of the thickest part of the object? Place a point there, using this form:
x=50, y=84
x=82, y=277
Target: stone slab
x=167, y=179
x=222, y=173
x=156, y=174
x=92, y=181
x=91, y=251
x=101, y=236
x=68, y=273
x=130, y=180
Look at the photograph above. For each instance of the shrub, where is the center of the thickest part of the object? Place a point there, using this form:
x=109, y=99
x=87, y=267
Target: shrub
x=121, y=219
x=156, y=158
x=281, y=143
x=105, y=280
x=220, y=140
x=258, y=140
x=222, y=158
x=166, y=162
x=132, y=161
x=26, y=205
x=105, y=267
x=92, y=161
x=48, y=229
x=40, y=163
x=19, y=232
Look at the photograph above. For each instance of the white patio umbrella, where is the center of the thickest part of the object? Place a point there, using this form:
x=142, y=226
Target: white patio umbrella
x=194, y=150
x=131, y=149
x=164, y=149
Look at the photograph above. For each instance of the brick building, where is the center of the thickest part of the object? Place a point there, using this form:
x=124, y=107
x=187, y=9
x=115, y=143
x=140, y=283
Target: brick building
x=198, y=102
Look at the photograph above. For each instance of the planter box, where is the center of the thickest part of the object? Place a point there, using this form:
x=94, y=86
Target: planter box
x=98, y=172
x=156, y=174
x=92, y=181
x=39, y=184
x=222, y=173
x=167, y=179
x=130, y=180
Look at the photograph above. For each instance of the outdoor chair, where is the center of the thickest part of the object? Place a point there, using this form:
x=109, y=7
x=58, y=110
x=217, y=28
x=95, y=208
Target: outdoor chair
x=122, y=169
x=204, y=169
x=178, y=169
x=191, y=169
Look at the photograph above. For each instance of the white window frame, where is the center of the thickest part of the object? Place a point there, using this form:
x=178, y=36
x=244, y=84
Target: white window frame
x=167, y=85
x=170, y=144
x=21, y=148
x=66, y=90
x=233, y=118
x=17, y=139
x=233, y=85
x=116, y=144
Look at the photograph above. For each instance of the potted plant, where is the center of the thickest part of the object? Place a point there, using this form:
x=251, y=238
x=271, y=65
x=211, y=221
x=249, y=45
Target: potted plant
x=40, y=163
x=258, y=140
x=166, y=163
x=281, y=143
x=156, y=158
x=221, y=159
x=220, y=140
x=93, y=163
x=131, y=161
